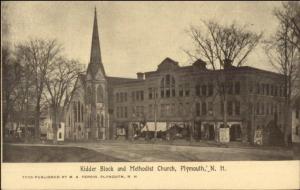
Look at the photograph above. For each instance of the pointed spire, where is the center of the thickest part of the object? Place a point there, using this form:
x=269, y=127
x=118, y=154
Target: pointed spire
x=95, y=49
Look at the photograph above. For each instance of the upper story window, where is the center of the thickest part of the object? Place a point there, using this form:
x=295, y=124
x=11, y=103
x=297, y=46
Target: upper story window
x=167, y=86
x=237, y=87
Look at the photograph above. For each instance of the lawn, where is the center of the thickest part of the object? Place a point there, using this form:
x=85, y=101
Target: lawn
x=19, y=153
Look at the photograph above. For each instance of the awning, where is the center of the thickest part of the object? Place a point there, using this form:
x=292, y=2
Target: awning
x=160, y=126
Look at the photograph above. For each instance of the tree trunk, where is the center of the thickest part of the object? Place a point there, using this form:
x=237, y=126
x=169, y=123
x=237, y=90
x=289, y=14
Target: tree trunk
x=37, y=122
x=54, y=125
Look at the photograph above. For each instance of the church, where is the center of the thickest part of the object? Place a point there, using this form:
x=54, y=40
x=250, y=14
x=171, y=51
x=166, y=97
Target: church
x=89, y=114
x=176, y=101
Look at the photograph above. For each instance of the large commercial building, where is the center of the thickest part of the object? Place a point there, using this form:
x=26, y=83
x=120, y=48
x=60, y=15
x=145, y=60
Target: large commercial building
x=190, y=100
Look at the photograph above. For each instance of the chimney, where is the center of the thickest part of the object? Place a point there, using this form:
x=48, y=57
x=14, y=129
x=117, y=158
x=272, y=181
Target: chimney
x=140, y=76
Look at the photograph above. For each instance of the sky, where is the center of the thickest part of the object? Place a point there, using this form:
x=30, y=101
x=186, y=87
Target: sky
x=134, y=36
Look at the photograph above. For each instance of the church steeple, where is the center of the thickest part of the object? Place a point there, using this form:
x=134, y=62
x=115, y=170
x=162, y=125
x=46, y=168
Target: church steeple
x=95, y=57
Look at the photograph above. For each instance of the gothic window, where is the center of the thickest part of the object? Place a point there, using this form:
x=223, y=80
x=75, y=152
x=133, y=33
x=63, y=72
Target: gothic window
x=102, y=121
x=99, y=94
x=82, y=112
x=167, y=86
x=74, y=111
x=78, y=111
x=89, y=95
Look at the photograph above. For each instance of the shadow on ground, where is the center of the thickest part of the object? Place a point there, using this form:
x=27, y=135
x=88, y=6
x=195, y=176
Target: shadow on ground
x=13, y=153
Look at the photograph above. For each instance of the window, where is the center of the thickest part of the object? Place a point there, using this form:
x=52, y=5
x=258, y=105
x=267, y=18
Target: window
x=180, y=90
x=162, y=110
x=133, y=96
x=250, y=87
x=210, y=108
x=137, y=95
x=267, y=89
x=117, y=97
x=150, y=93
x=222, y=107
x=142, y=95
x=297, y=113
x=272, y=90
x=99, y=94
x=118, y=112
x=204, y=109
x=237, y=88
x=237, y=108
x=262, y=108
x=187, y=108
x=150, y=110
x=210, y=90
x=198, y=109
x=187, y=89
x=75, y=111
x=197, y=90
x=230, y=108
x=167, y=86
x=257, y=88
x=230, y=88
x=78, y=111
x=82, y=112
x=203, y=89
x=180, y=109
x=89, y=95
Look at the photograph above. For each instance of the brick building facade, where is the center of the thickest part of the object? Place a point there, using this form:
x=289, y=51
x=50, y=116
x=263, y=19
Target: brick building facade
x=189, y=98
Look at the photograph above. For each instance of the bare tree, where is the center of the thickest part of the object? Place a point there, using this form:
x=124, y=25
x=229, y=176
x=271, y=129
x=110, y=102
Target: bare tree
x=223, y=46
x=39, y=54
x=59, y=81
x=283, y=51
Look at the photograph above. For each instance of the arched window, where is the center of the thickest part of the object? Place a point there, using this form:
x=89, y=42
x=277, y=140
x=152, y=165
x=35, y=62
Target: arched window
x=89, y=95
x=167, y=86
x=99, y=94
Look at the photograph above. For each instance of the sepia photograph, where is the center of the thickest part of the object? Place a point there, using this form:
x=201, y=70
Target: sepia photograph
x=150, y=82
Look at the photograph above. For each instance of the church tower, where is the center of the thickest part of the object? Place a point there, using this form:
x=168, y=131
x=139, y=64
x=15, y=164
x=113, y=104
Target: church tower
x=96, y=91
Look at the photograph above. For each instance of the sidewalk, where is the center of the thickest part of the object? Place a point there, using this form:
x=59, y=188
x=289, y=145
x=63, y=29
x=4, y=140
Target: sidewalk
x=181, y=142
